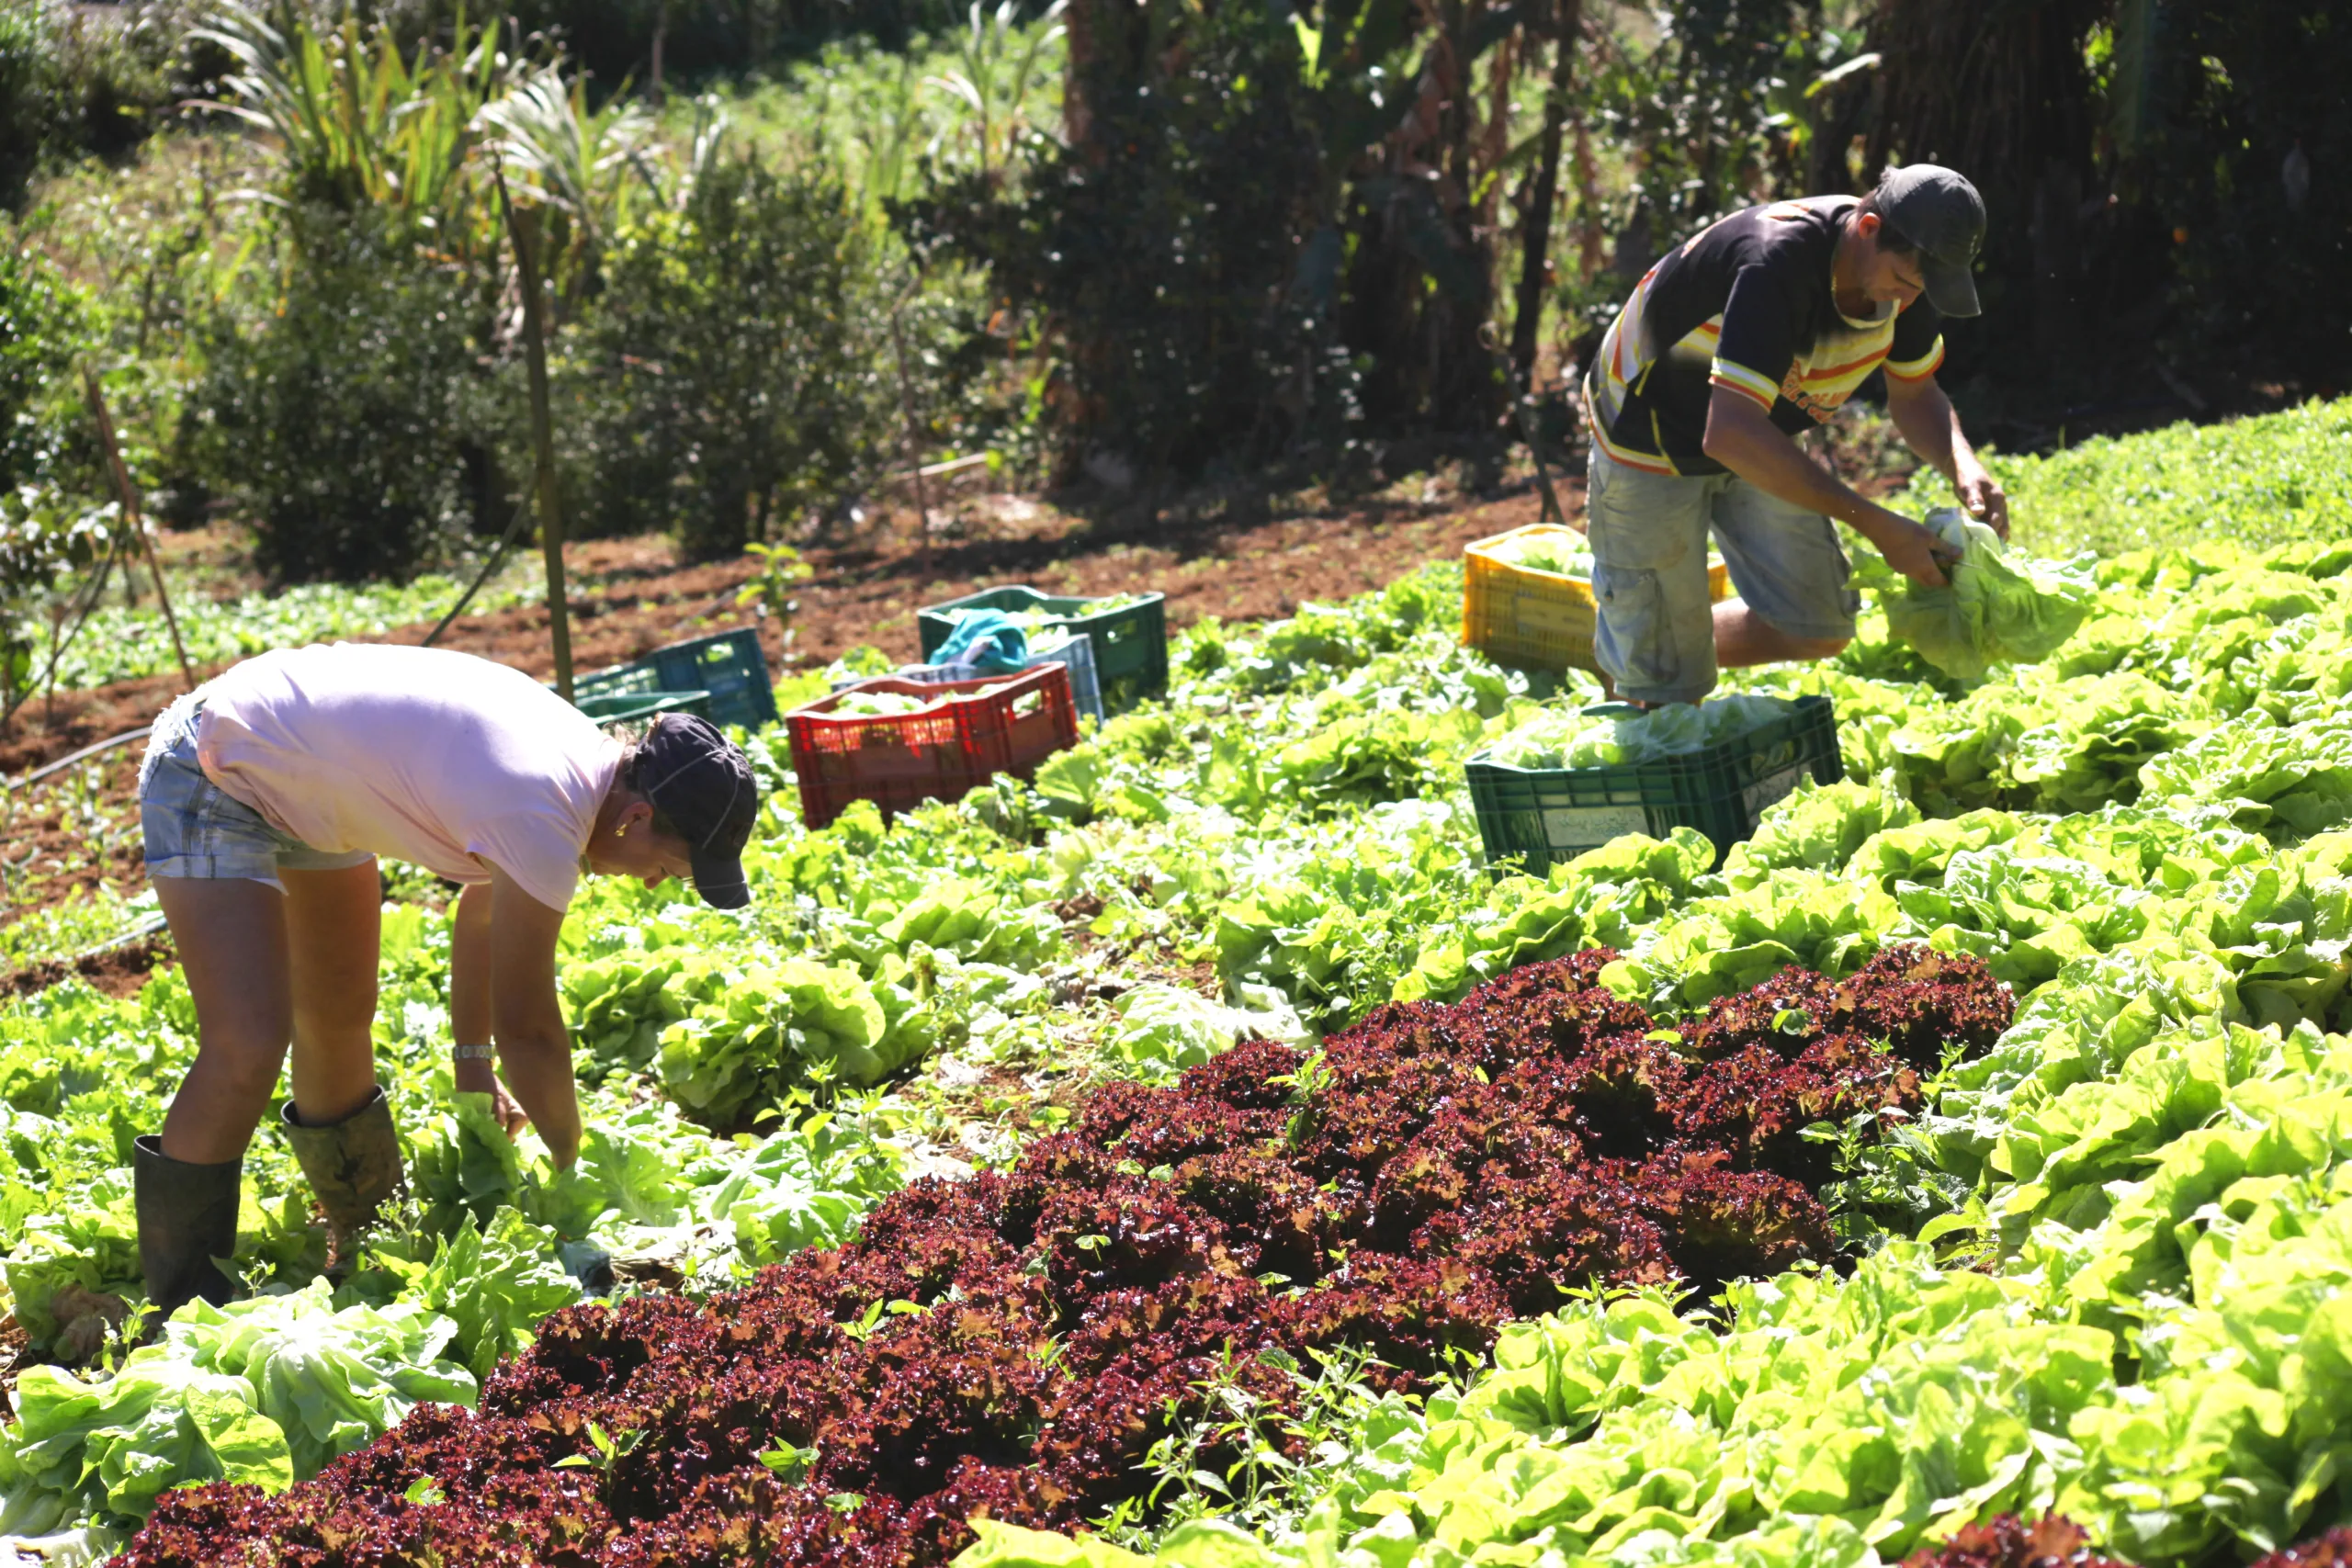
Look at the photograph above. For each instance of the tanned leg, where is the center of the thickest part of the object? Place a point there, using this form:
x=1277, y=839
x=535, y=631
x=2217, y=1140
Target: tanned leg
x=230, y=935
x=333, y=926
x=1743, y=638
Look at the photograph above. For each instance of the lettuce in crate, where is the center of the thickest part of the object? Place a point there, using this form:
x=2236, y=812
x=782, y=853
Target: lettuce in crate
x=1561, y=739
x=1556, y=550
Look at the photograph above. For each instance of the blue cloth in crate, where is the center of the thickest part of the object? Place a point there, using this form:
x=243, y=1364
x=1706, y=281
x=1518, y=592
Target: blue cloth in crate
x=988, y=641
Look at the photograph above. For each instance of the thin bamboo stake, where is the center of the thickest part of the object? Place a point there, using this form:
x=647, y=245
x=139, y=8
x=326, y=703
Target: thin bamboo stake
x=914, y=441
x=137, y=523
x=523, y=224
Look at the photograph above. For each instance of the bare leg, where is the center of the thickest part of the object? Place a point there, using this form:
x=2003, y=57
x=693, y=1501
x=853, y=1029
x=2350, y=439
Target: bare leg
x=1742, y=638
x=230, y=935
x=333, y=922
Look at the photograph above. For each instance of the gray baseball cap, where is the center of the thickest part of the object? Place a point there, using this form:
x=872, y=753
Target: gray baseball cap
x=1940, y=212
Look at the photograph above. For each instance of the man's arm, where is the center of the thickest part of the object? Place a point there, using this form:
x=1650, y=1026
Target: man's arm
x=1931, y=428
x=1743, y=438
x=533, y=1044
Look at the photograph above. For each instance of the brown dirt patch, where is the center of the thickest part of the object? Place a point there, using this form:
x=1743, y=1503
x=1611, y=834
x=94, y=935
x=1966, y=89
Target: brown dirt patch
x=116, y=971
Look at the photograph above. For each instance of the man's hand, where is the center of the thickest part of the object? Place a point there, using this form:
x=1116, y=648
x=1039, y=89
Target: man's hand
x=1913, y=550
x=1982, y=497
x=478, y=1077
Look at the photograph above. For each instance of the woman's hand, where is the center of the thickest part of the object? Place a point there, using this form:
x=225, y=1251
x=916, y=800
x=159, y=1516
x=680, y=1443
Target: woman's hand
x=478, y=1077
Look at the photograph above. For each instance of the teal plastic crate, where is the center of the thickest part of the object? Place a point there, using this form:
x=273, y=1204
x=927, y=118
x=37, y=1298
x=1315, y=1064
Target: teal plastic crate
x=728, y=670
x=628, y=707
x=1538, y=816
x=1130, y=642
x=730, y=666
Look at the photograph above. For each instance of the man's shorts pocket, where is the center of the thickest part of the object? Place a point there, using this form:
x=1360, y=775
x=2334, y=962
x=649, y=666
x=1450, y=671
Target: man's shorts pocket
x=1635, y=642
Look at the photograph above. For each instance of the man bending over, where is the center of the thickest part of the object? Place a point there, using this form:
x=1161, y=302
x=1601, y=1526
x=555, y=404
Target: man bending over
x=1742, y=338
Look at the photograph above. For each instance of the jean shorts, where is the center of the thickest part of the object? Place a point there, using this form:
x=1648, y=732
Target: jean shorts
x=195, y=829
x=1656, y=635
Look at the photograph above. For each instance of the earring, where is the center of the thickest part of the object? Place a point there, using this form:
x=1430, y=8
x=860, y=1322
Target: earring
x=621, y=831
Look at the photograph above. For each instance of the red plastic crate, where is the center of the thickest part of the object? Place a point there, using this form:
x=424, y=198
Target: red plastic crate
x=898, y=761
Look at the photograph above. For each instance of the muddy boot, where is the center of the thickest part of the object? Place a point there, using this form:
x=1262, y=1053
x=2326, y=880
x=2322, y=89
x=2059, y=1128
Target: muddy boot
x=188, y=1218
x=353, y=1165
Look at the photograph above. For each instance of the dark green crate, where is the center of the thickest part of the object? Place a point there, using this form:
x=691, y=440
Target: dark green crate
x=730, y=666
x=728, y=675
x=1538, y=817
x=1130, y=642
x=628, y=707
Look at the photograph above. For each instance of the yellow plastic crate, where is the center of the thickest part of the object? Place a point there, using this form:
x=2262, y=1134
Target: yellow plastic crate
x=1520, y=615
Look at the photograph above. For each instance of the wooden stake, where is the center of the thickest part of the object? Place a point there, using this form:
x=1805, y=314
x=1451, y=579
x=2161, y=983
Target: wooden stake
x=523, y=223
x=914, y=442
x=137, y=523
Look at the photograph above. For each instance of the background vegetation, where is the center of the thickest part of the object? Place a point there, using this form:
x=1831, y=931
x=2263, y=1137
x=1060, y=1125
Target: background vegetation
x=794, y=249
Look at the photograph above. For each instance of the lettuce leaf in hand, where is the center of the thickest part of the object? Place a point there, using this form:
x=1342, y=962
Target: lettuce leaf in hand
x=1997, y=609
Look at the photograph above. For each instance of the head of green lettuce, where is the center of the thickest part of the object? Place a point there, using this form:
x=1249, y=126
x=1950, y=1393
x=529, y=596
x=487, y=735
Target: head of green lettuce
x=1999, y=608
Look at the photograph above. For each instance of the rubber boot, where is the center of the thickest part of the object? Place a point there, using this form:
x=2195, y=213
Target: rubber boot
x=188, y=1218
x=353, y=1165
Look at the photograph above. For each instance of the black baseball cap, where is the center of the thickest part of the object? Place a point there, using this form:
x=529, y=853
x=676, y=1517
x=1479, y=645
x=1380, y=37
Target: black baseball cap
x=1940, y=212
x=702, y=782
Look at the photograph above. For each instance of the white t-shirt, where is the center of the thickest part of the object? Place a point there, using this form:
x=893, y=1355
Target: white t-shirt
x=420, y=754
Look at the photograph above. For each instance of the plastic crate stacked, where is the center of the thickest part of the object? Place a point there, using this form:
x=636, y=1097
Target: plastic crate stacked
x=1537, y=817
x=631, y=692
x=1076, y=653
x=1130, y=640
x=968, y=733
x=722, y=678
x=730, y=666
x=1518, y=614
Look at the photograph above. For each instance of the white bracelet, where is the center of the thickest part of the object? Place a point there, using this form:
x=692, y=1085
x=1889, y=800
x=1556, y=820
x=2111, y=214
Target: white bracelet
x=472, y=1053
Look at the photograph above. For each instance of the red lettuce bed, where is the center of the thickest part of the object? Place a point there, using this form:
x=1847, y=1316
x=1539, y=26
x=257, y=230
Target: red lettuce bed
x=2053, y=1542
x=1013, y=1345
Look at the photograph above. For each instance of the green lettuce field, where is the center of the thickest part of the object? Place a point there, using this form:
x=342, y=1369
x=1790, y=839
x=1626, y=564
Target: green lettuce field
x=1202, y=1155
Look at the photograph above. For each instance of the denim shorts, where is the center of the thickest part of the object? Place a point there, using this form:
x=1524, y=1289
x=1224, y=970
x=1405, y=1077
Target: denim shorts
x=196, y=828
x=1656, y=635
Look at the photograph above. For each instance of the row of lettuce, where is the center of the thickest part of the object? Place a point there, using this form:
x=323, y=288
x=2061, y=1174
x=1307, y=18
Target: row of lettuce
x=1293, y=815
x=2121, y=1295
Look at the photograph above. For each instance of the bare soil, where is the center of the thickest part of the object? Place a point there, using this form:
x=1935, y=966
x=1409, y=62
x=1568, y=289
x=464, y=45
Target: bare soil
x=78, y=830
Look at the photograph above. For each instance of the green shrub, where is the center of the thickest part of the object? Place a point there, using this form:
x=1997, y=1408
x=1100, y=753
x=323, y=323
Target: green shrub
x=355, y=419
x=43, y=322
x=1168, y=272
x=736, y=370
x=82, y=80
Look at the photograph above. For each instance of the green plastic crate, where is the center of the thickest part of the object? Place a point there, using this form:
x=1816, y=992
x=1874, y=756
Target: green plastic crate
x=728, y=674
x=626, y=707
x=1539, y=816
x=730, y=666
x=1130, y=642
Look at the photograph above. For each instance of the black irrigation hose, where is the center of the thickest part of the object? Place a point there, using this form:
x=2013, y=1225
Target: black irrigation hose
x=497, y=557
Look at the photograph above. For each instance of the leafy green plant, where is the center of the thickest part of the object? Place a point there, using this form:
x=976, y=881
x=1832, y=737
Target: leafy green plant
x=354, y=419
x=76, y=83
x=44, y=324
x=358, y=122
x=730, y=380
